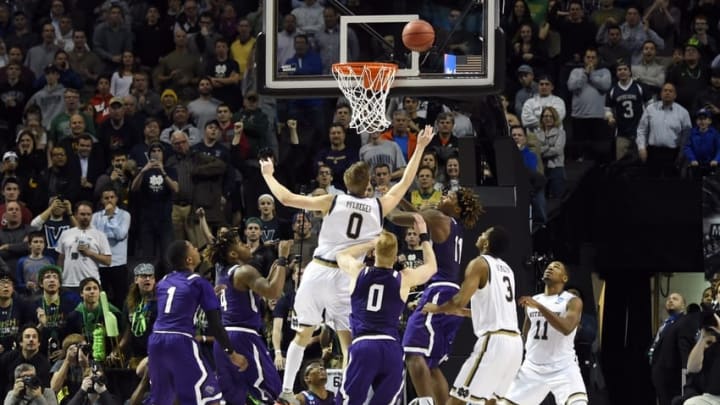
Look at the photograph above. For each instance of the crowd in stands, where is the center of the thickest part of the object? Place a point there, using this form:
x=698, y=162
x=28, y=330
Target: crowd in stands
x=127, y=124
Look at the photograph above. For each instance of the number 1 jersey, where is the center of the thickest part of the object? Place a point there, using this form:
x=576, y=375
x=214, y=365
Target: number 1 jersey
x=349, y=221
x=178, y=296
x=493, y=306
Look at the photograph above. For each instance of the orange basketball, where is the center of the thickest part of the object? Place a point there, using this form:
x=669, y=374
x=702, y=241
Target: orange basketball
x=418, y=35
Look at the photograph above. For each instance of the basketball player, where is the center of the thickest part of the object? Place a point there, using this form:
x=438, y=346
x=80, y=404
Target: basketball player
x=241, y=305
x=428, y=337
x=176, y=369
x=378, y=299
x=349, y=219
x=550, y=364
x=489, y=287
x=316, y=394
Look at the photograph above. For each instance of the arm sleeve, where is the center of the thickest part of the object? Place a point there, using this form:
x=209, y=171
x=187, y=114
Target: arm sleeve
x=216, y=329
x=578, y=78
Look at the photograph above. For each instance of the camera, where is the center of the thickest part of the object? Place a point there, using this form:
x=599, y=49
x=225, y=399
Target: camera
x=118, y=166
x=31, y=383
x=86, y=348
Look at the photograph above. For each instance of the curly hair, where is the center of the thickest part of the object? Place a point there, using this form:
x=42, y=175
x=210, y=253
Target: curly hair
x=217, y=251
x=470, y=207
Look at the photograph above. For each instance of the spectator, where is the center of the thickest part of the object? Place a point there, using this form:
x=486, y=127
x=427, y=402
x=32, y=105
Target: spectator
x=14, y=95
x=255, y=125
x=537, y=194
x=224, y=74
x=309, y=16
x=400, y=133
x=243, y=45
x=411, y=105
x=122, y=78
x=89, y=158
x=614, y=49
x=49, y=98
x=381, y=179
x=551, y=140
x=22, y=36
x=82, y=248
x=180, y=69
x=43, y=54
x=118, y=176
x=181, y=122
x=452, y=175
x=304, y=240
x=589, y=85
x=56, y=219
x=11, y=193
x=116, y=134
x=15, y=56
x=100, y=102
x=156, y=38
x=707, y=45
x=648, y=70
x=62, y=178
x=576, y=33
x=85, y=62
x=155, y=185
x=68, y=77
x=189, y=19
x=13, y=308
x=140, y=311
x=605, y=11
x=528, y=50
x=60, y=127
x=690, y=76
x=28, y=267
x=27, y=352
x=31, y=162
x=702, y=149
x=111, y=38
x=327, y=41
x=662, y=128
x=226, y=125
x=148, y=101
x=626, y=101
x=71, y=367
x=286, y=39
x=425, y=196
x=324, y=180
x=704, y=358
x=274, y=228
x=204, y=41
x=13, y=236
x=529, y=88
x=379, y=150
x=25, y=392
x=168, y=102
x=634, y=33
x=114, y=222
x=204, y=108
x=445, y=143
x=338, y=157
x=151, y=135
x=533, y=107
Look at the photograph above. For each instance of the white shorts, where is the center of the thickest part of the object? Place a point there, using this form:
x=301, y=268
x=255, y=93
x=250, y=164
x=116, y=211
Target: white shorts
x=535, y=381
x=490, y=369
x=323, y=288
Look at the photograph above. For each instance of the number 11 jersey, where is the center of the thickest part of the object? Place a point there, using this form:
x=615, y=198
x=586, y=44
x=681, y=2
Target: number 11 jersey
x=493, y=306
x=349, y=221
x=545, y=344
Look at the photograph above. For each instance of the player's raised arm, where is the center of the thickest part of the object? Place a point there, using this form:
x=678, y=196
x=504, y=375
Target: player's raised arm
x=246, y=276
x=287, y=197
x=421, y=274
x=564, y=324
x=396, y=193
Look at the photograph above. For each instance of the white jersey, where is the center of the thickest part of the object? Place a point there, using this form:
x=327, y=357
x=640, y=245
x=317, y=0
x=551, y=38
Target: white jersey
x=493, y=307
x=349, y=221
x=545, y=344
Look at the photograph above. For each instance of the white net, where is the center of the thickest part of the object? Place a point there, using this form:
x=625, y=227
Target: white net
x=366, y=87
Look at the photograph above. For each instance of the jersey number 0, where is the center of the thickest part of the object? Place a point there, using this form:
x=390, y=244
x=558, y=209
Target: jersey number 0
x=354, y=225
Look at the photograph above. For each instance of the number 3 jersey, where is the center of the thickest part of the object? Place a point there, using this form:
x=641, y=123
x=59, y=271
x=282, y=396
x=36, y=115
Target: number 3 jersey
x=545, y=344
x=376, y=303
x=350, y=220
x=493, y=307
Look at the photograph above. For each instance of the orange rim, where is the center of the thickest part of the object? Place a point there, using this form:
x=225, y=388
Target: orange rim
x=359, y=67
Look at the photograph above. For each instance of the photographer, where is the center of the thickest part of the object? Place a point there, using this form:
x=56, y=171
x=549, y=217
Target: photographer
x=68, y=372
x=93, y=391
x=28, y=389
x=705, y=358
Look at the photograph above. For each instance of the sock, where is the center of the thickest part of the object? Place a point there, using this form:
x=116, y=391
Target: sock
x=293, y=360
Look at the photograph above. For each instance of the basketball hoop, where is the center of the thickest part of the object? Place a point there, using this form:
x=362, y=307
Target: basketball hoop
x=366, y=86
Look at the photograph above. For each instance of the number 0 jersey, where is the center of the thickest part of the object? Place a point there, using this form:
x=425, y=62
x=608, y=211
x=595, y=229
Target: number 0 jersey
x=545, y=344
x=376, y=303
x=350, y=220
x=493, y=306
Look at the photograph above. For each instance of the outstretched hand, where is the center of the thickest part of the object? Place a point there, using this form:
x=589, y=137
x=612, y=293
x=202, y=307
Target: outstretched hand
x=266, y=167
x=420, y=223
x=527, y=302
x=425, y=136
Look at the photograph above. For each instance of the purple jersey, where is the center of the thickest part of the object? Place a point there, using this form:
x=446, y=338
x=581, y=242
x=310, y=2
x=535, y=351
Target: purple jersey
x=376, y=303
x=240, y=308
x=178, y=296
x=448, y=255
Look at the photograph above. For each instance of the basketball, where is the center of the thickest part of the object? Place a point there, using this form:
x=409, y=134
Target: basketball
x=418, y=35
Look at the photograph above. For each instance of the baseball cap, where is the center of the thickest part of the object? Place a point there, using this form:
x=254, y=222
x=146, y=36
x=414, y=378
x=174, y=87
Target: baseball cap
x=251, y=95
x=10, y=155
x=253, y=220
x=7, y=276
x=116, y=100
x=144, y=269
x=45, y=269
x=524, y=69
x=703, y=112
x=212, y=122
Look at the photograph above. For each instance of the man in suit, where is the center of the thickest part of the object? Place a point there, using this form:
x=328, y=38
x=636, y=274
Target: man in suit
x=670, y=349
x=89, y=159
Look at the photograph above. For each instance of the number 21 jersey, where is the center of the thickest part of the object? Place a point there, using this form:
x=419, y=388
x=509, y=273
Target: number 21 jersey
x=545, y=344
x=349, y=221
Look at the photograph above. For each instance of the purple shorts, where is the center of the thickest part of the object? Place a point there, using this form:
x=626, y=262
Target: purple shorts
x=177, y=370
x=432, y=335
x=261, y=378
x=375, y=362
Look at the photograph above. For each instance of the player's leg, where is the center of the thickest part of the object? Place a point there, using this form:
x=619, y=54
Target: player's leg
x=337, y=312
x=161, y=390
x=528, y=387
x=232, y=382
x=266, y=385
x=309, y=304
x=387, y=385
x=567, y=385
x=194, y=381
x=440, y=385
x=358, y=375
